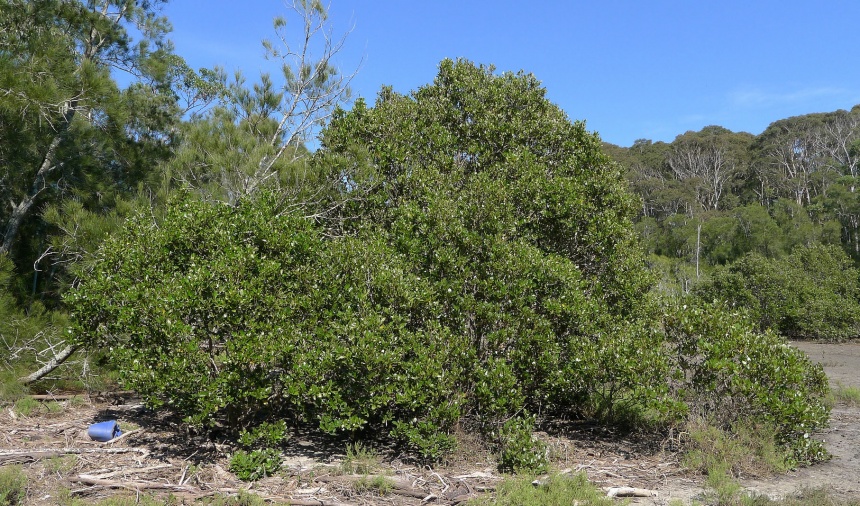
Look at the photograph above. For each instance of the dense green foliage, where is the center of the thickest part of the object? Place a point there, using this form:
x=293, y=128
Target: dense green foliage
x=476, y=265
x=811, y=293
x=724, y=372
x=448, y=289
x=13, y=486
x=91, y=95
x=68, y=130
x=270, y=317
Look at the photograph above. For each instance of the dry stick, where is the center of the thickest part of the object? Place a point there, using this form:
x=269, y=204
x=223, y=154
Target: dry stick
x=123, y=436
x=131, y=485
x=182, y=478
x=133, y=470
x=629, y=492
x=444, y=484
x=27, y=456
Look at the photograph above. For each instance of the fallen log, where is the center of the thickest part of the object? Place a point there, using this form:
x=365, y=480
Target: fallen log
x=27, y=456
x=629, y=492
x=131, y=485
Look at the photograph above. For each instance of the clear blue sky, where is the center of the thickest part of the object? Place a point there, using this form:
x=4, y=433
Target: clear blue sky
x=631, y=69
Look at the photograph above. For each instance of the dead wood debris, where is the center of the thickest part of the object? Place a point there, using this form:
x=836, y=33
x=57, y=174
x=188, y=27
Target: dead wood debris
x=27, y=456
x=162, y=459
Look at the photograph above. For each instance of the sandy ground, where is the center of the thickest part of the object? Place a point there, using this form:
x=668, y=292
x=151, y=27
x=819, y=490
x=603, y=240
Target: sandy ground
x=158, y=456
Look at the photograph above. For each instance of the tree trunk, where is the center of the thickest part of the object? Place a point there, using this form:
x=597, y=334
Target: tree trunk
x=20, y=210
x=51, y=365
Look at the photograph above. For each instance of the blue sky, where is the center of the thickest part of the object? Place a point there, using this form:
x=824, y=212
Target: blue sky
x=630, y=69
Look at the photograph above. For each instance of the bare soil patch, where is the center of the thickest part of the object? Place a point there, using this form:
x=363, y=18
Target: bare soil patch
x=158, y=455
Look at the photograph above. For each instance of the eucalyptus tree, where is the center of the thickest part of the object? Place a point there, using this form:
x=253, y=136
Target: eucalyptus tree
x=790, y=161
x=707, y=162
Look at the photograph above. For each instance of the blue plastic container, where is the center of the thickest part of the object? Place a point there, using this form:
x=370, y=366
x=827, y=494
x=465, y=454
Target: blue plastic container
x=104, y=431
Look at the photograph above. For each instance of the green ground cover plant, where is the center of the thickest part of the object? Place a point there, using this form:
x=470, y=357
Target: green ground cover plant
x=13, y=486
x=555, y=490
x=255, y=464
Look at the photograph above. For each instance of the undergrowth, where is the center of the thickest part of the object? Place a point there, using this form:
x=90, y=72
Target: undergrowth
x=555, y=490
x=13, y=486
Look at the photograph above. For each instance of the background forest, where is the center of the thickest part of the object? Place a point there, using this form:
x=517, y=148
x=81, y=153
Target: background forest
x=463, y=253
x=769, y=221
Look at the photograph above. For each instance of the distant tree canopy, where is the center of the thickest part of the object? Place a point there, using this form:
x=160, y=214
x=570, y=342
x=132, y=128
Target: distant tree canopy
x=713, y=196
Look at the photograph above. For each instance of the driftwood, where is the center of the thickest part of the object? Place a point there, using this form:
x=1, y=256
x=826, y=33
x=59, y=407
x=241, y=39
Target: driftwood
x=27, y=456
x=131, y=485
x=629, y=492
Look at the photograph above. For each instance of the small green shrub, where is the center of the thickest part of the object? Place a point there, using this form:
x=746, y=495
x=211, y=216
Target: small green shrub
x=360, y=459
x=728, y=373
x=11, y=389
x=726, y=490
x=520, y=451
x=26, y=406
x=849, y=395
x=265, y=435
x=251, y=466
x=53, y=407
x=13, y=486
x=61, y=465
x=556, y=490
x=379, y=485
x=742, y=450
